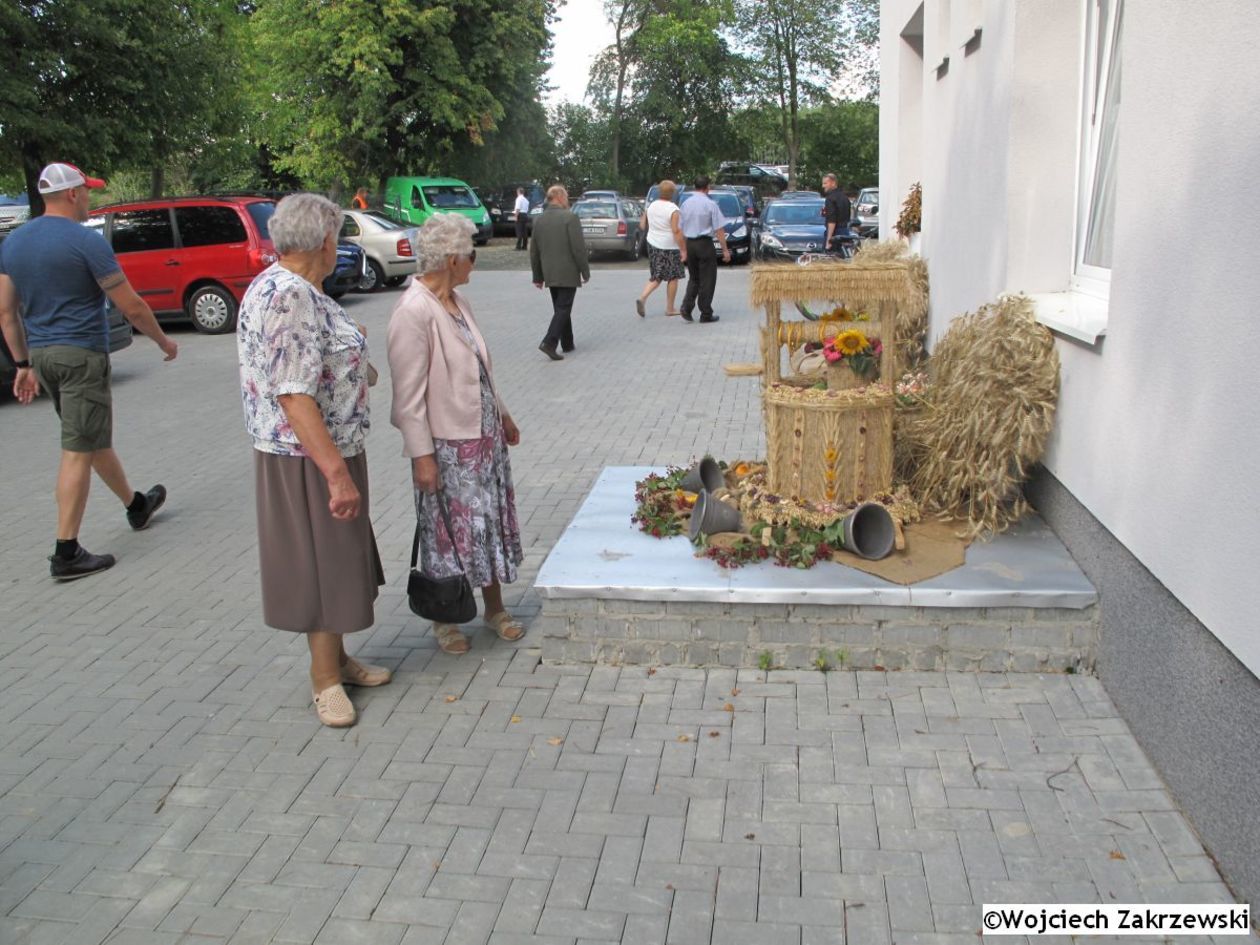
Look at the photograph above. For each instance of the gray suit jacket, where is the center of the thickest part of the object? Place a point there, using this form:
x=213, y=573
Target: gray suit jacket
x=557, y=251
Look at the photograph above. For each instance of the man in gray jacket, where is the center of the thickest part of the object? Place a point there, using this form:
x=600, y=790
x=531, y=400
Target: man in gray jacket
x=557, y=254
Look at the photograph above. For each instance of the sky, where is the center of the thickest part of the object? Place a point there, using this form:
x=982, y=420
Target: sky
x=579, y=35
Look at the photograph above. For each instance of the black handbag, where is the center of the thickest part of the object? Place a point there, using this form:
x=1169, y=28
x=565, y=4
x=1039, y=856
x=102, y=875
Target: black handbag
x=442, y=600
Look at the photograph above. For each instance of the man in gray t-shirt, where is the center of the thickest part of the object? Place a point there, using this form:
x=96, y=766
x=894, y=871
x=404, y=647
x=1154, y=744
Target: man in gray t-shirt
x=55, y=276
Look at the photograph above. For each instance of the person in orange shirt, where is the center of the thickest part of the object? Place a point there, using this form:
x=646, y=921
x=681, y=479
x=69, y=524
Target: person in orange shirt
x=360, y=201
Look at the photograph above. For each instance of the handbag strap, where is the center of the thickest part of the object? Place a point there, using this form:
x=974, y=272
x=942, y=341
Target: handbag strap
x=446, y=520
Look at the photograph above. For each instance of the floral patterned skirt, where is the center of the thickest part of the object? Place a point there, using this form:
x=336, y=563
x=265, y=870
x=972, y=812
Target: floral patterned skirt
x=477, y=483
x=665, y=265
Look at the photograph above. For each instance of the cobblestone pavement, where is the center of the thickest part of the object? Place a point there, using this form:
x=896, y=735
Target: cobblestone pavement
x=163, y=779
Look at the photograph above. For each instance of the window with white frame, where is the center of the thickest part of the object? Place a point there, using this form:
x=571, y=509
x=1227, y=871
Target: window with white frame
x=1100, y=110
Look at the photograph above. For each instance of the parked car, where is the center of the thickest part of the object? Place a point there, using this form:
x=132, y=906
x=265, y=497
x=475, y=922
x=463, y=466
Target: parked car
x=611, y=225
x=412, y=200
x=602, y=195
x=191, y=257
x=866, y=212
x=680, y=194
x=502, y=206
x=748, y=195
x=14, y=211
x=763, y=178
x=389, y=247
x=800, y=195
x=350, y=269
x=738, y=232
x=791, y=227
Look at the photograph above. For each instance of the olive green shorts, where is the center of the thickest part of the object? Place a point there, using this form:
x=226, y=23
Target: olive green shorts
x=77, y=380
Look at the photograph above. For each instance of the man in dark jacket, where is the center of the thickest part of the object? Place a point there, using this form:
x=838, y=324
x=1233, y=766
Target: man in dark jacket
x=837, y=210
x=557, y=255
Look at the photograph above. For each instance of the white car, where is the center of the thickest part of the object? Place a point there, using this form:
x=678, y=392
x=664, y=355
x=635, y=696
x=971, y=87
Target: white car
x=388, y=246
x=14, y=211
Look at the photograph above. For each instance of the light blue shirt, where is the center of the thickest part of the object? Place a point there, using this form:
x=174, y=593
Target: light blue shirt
x=700, y=217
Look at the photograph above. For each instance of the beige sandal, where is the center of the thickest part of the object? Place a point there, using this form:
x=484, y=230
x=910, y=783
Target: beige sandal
x=505, y=626
x=450, y=639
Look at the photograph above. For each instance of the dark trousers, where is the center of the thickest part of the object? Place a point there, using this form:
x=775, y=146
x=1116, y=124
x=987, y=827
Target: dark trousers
x=701, y=276
x=522, y=232
x=560, y=331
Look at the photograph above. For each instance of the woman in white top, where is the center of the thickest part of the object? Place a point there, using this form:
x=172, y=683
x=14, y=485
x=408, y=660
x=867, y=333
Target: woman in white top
x=667, y=248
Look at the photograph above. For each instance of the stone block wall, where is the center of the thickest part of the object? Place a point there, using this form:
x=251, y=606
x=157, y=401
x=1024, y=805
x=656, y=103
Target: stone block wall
x=795, y=636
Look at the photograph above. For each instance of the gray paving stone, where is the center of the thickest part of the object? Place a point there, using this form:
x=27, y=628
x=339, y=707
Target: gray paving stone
x=161, y=770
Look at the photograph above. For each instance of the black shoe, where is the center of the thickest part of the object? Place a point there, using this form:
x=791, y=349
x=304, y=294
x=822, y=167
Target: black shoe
x=711, y=318
x=567, y=348
x=81, y=565
x=550, y=352
x=686, y=316
x=154, y=499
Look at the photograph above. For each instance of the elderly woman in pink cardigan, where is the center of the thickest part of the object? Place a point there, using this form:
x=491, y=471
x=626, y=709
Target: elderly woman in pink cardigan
x=455, y=428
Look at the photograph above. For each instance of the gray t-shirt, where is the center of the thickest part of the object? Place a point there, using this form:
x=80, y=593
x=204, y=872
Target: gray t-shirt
x=56, y=265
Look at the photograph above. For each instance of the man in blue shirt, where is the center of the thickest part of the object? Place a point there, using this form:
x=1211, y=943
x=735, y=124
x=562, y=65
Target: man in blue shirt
x=55, y=275
x=701, y=219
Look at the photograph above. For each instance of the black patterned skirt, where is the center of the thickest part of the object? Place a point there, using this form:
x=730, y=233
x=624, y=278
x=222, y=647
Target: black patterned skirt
x=665, y=265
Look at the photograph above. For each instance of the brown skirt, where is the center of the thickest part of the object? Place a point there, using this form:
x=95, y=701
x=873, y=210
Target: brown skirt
x=318, y=573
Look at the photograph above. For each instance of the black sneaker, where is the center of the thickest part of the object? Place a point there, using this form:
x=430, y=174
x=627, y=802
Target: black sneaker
x=154, y=499
x=81, y=565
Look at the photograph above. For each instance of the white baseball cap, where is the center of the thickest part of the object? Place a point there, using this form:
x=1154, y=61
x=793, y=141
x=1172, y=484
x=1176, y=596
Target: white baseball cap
x=57, y=177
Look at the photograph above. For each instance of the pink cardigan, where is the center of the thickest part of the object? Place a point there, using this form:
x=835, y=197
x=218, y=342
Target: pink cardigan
x=437, y=387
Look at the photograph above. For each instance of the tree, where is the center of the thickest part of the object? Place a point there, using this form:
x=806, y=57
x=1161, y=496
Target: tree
x=103, y=82
x=804, y=48
x=841, y=138
x=357, y=87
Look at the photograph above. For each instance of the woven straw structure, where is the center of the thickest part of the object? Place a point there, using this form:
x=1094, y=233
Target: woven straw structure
x=829, y=446
x=911, y=330
x=986, y=416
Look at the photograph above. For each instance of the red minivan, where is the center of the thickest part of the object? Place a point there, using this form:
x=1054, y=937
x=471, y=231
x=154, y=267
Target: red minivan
x=191, y=257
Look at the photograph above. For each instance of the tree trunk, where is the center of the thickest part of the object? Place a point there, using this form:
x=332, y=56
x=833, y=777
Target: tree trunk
x=157, y=181
x=31, y=166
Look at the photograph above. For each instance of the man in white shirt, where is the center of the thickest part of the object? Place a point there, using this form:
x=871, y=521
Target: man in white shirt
x=522, y=218
x=701, y=220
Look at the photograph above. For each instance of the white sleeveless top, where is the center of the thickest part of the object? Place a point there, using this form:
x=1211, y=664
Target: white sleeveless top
x=660, y=233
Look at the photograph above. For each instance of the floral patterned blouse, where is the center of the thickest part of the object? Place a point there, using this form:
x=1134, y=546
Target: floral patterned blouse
x=293, y=339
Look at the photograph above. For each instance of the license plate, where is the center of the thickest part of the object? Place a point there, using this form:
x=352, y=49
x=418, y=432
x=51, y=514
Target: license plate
x=592, y=230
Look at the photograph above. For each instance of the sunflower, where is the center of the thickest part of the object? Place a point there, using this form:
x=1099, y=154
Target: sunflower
x=851, y=342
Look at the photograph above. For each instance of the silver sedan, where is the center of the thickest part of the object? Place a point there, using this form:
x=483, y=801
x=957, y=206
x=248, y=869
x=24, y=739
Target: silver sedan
x=611, y=225
x=388, y=246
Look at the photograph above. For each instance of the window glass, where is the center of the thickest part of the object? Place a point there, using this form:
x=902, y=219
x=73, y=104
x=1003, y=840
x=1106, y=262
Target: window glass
x=729, y=205
x=450, y=197
x=1100, y=115
x=384, y=222
x=138, y=230
x=209, y=226
x=592, y=209
x=260, y=212
x=794, y=213
x=349, y=227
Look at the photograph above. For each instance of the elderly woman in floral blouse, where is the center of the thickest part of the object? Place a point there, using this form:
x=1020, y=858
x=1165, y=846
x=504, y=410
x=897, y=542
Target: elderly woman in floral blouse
x=455, y=428
x=304, y=383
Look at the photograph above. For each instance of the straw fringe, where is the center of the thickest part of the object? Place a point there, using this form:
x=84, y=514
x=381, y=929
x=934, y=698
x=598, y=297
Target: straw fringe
x=985, y=418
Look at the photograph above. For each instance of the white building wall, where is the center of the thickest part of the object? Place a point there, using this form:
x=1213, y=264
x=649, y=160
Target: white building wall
x=1158, y=431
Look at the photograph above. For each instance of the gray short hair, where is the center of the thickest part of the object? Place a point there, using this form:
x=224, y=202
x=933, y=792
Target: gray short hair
x=302, y=222
x=443, y=234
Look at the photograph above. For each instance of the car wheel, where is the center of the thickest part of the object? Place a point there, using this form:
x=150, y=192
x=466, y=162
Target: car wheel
x=212, y=310
x=373, y=277
x=635, y=252
x=394, y=281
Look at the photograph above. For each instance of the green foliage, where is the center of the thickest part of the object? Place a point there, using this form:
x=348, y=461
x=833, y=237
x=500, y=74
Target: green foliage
x=765, y=661
x=109, y=83
x=363, y=88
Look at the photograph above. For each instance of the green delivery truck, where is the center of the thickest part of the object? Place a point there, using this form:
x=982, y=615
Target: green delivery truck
x=412, y=200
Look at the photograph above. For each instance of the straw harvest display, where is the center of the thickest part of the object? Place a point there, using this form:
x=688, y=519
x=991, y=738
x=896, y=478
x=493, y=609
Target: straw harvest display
x=911, y=327
x=987, y=414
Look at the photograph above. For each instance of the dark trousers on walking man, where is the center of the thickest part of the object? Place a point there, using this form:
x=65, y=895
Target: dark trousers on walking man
x=522, y=232
x=560, y=331
x=701, y=278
